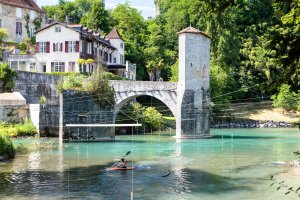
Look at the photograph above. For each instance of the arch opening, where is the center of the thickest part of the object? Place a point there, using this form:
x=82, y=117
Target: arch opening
x=136, y=108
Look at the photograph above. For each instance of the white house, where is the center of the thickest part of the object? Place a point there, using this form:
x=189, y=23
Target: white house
x=59, y=46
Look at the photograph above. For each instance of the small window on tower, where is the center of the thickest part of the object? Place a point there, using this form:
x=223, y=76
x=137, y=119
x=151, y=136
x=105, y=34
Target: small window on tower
x=122, y=45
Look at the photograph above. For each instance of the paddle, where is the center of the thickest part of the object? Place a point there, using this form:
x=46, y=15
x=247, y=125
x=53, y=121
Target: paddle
x=121, y=159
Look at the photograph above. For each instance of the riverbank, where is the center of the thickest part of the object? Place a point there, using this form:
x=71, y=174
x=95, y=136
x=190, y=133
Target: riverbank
x=244, y=123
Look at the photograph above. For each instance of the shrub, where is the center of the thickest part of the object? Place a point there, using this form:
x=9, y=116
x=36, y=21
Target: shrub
x=18, y=130
x=286, y=99
x=7, y=76
x=7, y=149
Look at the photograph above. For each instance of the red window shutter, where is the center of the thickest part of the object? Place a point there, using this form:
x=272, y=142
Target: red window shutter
x=48, y=47
x=66, y=47
x=61, y=46
x=77, y=46
x=53, y=47
x=37, y=47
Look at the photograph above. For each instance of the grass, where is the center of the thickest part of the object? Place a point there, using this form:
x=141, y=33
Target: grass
x=7, y=149
x=24, y=129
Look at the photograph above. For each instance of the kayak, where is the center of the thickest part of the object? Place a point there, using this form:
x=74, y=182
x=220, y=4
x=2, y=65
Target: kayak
x=119, y=168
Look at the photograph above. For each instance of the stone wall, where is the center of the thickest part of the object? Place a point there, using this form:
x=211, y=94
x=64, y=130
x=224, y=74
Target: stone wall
x=33, y=85
x=80, y=108
x=13, y=113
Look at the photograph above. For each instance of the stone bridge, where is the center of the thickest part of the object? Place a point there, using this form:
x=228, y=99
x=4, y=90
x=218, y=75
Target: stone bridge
x=126, y=91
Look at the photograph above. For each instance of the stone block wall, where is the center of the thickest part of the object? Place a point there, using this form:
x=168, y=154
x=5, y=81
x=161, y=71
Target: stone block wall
x=13, y=113
x=34, y=85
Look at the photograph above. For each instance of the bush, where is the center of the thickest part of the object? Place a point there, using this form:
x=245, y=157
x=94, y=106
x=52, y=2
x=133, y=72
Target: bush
x=7, y=76
x=7, y=149
x=18, y=130
x=286, y=99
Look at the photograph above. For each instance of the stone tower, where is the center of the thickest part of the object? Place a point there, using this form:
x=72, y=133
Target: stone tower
x=193, y=95
x=157, y=12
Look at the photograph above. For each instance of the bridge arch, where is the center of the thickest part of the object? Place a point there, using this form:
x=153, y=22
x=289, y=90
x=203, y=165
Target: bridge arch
x=128, y=90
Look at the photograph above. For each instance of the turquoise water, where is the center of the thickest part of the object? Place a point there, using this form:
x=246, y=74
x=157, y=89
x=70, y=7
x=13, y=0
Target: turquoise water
x=234, y=164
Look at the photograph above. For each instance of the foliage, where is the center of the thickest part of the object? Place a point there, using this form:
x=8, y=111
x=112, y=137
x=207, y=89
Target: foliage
x=98, y=85
x=43, y=100
x=7, y=149
x=27, y=19
x=7, y=76
x=149, y=117
x=3, y=34
x=74, y=82
x=152, y=118
x=22, y=46
x=286, y=99
x=23, y=129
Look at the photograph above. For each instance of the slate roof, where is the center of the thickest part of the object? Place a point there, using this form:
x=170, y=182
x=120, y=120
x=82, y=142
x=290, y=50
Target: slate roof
x=29, y=4
x=114, y=34
x=193, y=30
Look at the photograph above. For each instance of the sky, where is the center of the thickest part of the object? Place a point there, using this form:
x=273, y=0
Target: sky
x=145, y=6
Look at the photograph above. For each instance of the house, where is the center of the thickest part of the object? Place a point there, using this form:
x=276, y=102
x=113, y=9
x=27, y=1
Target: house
x=59, y=46
x=13, y=15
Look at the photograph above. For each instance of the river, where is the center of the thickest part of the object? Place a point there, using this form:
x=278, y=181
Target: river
x=233, y=164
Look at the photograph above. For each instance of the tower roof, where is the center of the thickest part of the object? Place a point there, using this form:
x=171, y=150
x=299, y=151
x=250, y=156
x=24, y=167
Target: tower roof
x=114, y=34
x=193, y=30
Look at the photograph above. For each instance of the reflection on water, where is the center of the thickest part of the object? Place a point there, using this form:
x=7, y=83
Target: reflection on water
x=234, y=164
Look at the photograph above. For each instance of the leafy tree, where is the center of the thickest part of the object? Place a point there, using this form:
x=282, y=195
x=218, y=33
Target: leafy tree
x=130, y=24
x=286, y=99
x=7, y=76
x=3, y=35
x=153, y=118
x=97, y=17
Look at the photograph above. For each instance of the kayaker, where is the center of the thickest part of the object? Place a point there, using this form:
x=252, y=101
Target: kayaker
x=123, y=163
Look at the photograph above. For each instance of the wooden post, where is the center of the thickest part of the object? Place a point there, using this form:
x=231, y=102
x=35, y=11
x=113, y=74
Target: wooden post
x=60, y=132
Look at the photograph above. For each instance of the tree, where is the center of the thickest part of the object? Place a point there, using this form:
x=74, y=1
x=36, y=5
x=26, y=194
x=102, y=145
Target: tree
x=97, y=17
x=286, y=99
x=152, y=118
x=3, y=35
x=7, y=76
x=130, y=25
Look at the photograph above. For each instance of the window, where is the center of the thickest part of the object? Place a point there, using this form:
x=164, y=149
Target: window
x=72, y=46
x=32, y=31
x=121, y=59
x=0, y=23
x=14, y=65
x=57, y=29
x=57, y=47
x=18, y=28
x=32, y=67
x=19, y=12
x=22, y=65
x=43, y=47
x=122, y=45
x=71, y=67
x=32, y=15
x=115, y=60
x=58, y=66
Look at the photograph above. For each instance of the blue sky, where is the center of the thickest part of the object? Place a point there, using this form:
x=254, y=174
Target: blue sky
x=145, y=6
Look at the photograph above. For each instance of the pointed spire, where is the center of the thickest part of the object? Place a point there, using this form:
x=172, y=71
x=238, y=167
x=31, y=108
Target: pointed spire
x=193, y=30
x=114, y=34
